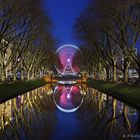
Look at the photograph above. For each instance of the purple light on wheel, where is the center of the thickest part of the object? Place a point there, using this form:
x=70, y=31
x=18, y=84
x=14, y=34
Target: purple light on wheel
x=66, y=54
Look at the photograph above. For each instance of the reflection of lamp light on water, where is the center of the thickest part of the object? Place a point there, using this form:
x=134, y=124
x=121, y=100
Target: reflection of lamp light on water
x=68, y=96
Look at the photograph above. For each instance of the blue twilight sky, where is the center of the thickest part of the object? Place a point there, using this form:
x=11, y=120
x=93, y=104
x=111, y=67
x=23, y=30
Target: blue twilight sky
x=63, y=14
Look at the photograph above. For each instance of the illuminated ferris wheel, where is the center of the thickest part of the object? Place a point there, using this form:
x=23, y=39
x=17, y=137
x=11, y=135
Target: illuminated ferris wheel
x=66, y=55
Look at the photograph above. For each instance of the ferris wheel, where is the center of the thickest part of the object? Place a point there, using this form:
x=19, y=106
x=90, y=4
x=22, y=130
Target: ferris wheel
x=66, y=55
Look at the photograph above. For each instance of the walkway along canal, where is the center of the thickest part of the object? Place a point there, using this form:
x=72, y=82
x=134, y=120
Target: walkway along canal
x=67, y=112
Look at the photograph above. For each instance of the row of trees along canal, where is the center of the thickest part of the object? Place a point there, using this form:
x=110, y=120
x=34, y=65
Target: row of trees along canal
x=25, y=38
x=109, y=30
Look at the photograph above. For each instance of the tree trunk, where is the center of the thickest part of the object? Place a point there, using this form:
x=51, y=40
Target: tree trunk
x=99, y=72
x=35, y=74
x=14, y=75
x=3, y=76
x=125, y=70
x=22, y=75
x=114, y=71
x=94, y=75
x=28, y=75
x=107, y=73
x=126, y=75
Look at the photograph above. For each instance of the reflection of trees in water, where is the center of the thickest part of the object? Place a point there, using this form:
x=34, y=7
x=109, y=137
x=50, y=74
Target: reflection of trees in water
x=29, y=114
x=77, y=99
x=137, y=124
x=102, y=118
x=126, y=121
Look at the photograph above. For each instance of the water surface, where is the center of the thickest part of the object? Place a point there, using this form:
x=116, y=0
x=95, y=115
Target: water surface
x=67, y=113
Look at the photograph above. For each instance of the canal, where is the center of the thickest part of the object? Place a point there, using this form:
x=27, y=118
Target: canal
x=67, y=112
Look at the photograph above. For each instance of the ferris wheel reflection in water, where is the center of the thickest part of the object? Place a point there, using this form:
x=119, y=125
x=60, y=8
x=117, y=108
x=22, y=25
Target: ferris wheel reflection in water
x=68, y=98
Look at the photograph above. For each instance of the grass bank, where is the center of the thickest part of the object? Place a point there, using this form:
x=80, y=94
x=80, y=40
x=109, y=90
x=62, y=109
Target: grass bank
x=8, y=91
x=130, y=94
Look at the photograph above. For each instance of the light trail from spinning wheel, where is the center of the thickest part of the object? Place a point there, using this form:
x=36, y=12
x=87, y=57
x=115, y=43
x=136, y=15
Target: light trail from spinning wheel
x=66, y=55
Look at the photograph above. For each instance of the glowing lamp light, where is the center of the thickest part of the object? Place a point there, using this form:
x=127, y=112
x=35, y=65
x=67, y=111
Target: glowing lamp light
x=68, y=60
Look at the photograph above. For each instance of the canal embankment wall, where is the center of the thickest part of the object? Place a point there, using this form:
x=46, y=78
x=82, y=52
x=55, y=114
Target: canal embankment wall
x=129, y=94
x=9, y=91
